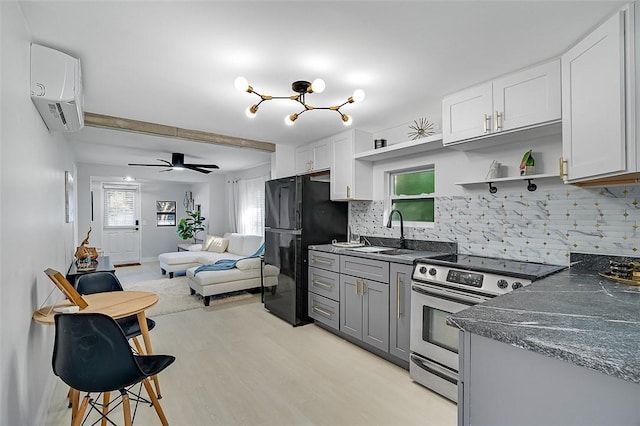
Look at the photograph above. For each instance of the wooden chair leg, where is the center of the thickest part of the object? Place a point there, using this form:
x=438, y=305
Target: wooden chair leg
x=156, y=403
x=74, y=401
x=126, y=407
x=106, y=397
x=138, y=346
x=76, y=419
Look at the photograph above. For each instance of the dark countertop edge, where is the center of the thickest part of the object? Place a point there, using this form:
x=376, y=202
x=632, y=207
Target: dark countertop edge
x=403, y=259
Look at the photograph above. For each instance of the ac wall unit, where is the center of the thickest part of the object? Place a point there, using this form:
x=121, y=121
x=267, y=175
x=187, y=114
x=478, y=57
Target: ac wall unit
x=56, y=88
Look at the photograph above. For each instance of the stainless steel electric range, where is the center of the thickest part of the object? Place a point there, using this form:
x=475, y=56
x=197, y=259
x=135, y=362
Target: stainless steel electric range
x=444, y=286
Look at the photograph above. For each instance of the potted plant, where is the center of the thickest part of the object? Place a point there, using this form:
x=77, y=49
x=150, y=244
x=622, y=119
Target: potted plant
x=190, y=226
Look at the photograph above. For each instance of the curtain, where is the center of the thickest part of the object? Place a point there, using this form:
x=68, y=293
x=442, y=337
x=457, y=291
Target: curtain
x=249, y=206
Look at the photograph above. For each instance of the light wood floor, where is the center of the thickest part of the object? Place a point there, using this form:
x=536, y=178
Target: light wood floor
x=236, y=364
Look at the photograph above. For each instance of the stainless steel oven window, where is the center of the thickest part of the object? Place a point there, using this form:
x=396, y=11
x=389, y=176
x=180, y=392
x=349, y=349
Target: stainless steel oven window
x=436, y=331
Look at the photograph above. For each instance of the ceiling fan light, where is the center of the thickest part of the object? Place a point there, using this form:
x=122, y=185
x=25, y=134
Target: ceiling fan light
x=178, y=168
x=358, y=95
x=318, y=85
x=346, y=120
x=251, y=111
x=241, y=84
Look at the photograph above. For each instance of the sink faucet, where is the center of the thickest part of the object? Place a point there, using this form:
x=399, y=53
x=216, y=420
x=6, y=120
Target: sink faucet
x=403, y=243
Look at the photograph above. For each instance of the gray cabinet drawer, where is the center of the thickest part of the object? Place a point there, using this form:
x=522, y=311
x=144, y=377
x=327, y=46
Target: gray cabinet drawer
x=324, y=283
x=365, y=268
x=328, y=261
x=324, y=310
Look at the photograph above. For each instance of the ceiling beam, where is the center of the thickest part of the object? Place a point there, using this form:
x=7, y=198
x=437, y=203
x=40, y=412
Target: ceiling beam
x=135, y=126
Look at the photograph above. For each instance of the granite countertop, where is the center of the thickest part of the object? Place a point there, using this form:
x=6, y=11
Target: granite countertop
x=406, y=259
x=575, y=316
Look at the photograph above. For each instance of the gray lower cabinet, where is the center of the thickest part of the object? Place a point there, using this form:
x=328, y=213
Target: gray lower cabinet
x=399, y=309
x=364, y=305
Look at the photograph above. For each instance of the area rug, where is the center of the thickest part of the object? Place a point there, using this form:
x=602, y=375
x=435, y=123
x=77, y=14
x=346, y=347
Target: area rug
x=174, y=296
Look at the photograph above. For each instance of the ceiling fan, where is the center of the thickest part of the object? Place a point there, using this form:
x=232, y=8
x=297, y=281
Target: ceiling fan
x=177, y=163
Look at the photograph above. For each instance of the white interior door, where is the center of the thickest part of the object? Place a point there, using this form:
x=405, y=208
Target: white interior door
x=120, y=226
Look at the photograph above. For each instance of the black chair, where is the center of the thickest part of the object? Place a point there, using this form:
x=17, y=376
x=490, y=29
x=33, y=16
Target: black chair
x=91, y=354
x=100, y=282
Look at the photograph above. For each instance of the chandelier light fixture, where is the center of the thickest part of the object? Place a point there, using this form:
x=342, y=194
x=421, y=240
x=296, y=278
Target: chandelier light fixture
x=301, y=88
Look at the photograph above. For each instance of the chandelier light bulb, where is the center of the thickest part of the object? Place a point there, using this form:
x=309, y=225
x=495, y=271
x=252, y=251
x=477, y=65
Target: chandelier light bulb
x=241, y=84
x=358, y=95
x=289, y=119
x=251, y=111
x=318, y=85
x=346, y=120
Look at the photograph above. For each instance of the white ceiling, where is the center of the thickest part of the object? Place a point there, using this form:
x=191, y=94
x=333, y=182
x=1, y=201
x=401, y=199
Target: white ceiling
x=174, y=63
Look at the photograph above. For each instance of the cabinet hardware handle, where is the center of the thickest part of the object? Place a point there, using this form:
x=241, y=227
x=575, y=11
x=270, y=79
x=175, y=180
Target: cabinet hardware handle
x=357, y=286
x=321, y=284
x=497, y=120
x=398, y=287
x=322, y=311
x=348, y=192
x=322, y=260
x=364, y=287
x=563, y=172
x=486, y=123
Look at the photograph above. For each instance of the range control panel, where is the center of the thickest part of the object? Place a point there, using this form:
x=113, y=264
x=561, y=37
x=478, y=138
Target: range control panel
x=493, y=284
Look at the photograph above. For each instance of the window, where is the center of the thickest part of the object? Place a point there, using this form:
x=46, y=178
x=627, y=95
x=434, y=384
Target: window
x=411, y=192
x=250, y=211
x=120, y=206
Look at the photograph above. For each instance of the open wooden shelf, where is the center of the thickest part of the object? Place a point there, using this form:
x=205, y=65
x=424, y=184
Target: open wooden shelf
x=401, y=149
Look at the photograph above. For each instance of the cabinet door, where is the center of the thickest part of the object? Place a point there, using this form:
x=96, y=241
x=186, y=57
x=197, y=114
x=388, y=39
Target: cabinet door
x=322, y=155
x=375, y=314
x=527, y=98
x=467, y=114
x=342, y=183
x=350, y=306
x=399, y=309
x=593, y=103
x=303, y=160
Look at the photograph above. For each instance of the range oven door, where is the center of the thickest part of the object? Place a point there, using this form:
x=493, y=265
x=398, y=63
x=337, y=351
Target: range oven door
x=431, y=337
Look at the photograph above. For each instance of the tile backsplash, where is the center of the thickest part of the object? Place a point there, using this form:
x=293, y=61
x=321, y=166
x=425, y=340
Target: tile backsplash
x=541, y=226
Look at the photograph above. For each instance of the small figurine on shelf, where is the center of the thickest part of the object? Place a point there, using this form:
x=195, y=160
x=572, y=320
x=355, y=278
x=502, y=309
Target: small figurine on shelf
x=527, y=165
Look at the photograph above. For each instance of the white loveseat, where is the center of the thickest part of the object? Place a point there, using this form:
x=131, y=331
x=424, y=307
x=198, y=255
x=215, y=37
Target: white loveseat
x=246, y=274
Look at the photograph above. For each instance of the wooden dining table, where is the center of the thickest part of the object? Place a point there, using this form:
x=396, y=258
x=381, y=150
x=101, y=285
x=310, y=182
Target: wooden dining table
x=116, y=304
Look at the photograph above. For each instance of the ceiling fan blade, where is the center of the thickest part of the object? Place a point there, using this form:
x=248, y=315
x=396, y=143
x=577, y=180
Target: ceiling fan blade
x=149, y=165
x=205, y=166
x=167, y=170
x=197, y=169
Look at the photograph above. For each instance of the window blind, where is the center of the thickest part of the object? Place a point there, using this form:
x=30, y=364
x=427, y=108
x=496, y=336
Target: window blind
x=119, y=206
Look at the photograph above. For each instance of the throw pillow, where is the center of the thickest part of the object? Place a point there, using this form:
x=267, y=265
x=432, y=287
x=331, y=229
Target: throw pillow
x=251, y=263
x=207, y=242
x=218, y=245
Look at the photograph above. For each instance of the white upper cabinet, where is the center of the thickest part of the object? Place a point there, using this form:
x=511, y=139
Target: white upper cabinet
x=520, y=100
x=351, y=179
x=314, y=157
x=598, y=100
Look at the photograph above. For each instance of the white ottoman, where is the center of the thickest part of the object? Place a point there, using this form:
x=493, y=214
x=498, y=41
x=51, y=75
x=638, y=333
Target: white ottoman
x=178, y=261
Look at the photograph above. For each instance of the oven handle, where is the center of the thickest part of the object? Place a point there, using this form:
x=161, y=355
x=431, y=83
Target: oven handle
x=447, y=295
x=435, y=369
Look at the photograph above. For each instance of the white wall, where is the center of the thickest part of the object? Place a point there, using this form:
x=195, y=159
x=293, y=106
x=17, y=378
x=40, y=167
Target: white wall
x=34, y=235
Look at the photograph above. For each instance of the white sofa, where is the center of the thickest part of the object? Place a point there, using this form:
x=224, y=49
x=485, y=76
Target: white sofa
x=245, y=275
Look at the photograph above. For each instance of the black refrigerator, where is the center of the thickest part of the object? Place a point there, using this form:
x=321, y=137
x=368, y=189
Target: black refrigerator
x=299, y=213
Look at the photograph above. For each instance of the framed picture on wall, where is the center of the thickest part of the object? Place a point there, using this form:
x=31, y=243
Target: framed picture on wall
x=68, y=197
x=166, y=206
x=166, y=219
x=166, y=213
